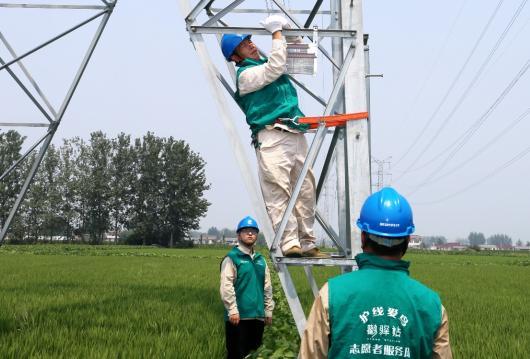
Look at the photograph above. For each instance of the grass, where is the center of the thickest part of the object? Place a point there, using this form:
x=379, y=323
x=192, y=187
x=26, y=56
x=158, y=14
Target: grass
x=487, y=298
x=63, y=302
x=60, y=301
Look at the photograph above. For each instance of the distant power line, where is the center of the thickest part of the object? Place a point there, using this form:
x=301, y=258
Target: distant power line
x=469, y=87
x=493, y=173
x=437, y=59
x=449, y=90
x=509, y=44
x=483, y=148
x=476, y=125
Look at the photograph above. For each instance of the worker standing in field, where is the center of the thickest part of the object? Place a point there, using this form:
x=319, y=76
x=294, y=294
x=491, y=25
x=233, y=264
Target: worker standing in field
x=378, y=311
x=270, y=103
x=246, y=292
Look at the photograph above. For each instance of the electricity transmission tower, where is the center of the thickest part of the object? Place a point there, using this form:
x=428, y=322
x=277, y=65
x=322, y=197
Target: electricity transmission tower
x=380, y=172
x=346, y=57
x=15, y=67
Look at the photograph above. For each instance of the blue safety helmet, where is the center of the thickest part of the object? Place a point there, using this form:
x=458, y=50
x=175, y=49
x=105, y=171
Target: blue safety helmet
x=387, y=214
x=229, y=42
x=247, y=222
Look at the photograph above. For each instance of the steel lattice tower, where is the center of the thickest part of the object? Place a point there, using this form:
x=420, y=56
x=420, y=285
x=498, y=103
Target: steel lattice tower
x=347, y=56
x=100, y=11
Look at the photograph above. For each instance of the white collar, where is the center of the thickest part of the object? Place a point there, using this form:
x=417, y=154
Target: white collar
x=245, y=249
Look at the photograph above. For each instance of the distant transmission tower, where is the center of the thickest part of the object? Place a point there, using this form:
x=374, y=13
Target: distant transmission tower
x=380, y=173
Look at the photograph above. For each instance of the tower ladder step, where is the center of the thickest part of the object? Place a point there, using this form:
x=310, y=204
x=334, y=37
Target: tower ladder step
x=350, y=262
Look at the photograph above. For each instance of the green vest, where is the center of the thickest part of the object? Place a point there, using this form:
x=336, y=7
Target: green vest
x=380, y=312
x=276, y=100
x=249, y=284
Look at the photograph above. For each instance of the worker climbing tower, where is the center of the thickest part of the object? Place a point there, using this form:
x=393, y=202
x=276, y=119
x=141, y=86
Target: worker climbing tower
x=344, y=117
x=14, y=64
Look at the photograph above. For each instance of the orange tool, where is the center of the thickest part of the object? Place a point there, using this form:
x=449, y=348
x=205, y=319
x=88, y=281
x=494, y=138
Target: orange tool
x=332, y=120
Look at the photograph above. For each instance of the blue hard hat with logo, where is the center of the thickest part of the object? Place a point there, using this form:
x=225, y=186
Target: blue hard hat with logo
x=229, y=42
x=386, y=213
x=247, y=222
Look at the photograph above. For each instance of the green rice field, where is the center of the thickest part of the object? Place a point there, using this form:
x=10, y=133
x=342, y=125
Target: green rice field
x=64, y=301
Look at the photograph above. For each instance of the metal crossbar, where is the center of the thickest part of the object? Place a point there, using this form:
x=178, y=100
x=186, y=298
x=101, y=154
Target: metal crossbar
x=54, y=6
x=26, y=54
x=266, y=11
x=329, y=262
x=261, y=31
x=222, y=13
x=27, y=92
x=28, y=75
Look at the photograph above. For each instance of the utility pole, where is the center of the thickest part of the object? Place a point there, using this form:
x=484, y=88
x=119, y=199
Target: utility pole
x=356, y=141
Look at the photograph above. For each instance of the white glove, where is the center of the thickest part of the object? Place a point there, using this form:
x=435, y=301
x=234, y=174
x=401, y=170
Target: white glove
x=274, y=23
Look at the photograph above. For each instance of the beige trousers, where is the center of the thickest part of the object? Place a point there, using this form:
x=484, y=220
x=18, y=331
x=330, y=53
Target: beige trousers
x=281, y=156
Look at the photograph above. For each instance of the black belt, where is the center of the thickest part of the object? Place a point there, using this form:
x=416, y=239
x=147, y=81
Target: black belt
x=281, y=129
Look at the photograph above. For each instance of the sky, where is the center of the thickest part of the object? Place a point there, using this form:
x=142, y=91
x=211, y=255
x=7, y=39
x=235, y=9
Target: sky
x=450, y=113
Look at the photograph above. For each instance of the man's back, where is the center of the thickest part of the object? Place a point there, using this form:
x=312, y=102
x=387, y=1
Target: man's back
x=379, y=310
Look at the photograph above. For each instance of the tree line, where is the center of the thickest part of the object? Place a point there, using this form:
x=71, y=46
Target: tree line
x=147, y=190
x=501, y=240
x=476, y=239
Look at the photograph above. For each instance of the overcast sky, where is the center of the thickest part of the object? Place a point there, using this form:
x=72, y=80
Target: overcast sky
x=449, y=112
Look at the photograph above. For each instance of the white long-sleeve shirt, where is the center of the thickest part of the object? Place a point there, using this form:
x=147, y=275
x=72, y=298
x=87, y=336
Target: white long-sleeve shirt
x=228, y=278
x=257, y=77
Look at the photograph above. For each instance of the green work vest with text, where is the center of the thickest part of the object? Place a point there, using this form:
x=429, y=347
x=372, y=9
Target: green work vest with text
x=380, y=312
x=276, y=100
x=249, y=284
